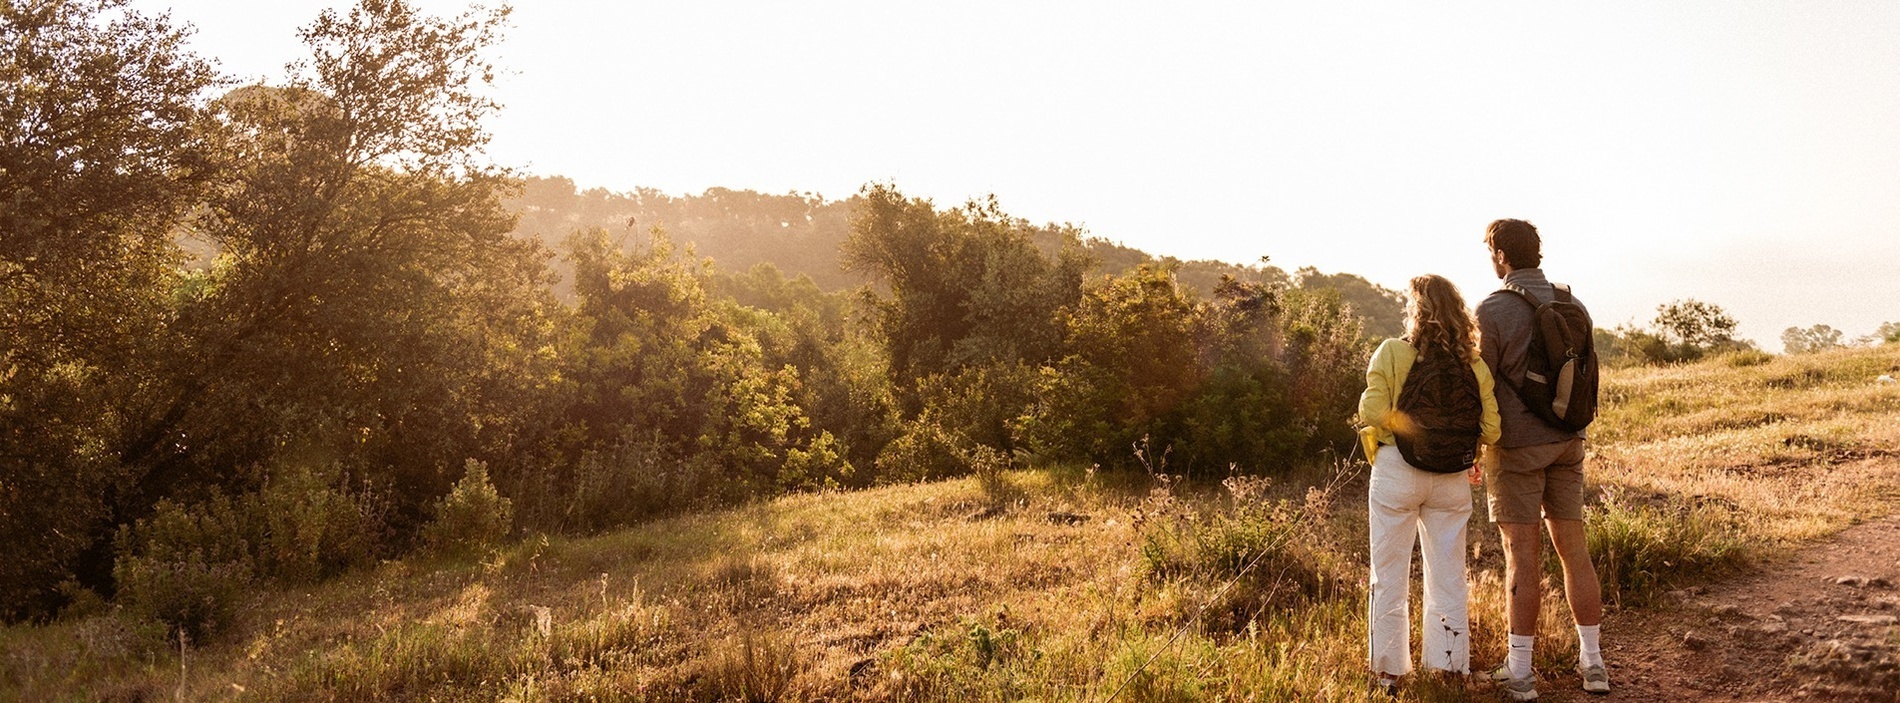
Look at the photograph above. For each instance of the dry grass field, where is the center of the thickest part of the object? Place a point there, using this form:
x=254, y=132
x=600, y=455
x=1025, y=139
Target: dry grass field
x=1050, y=584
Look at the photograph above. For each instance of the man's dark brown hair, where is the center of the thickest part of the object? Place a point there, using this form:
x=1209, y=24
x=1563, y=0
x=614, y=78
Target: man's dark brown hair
x=1518, y=240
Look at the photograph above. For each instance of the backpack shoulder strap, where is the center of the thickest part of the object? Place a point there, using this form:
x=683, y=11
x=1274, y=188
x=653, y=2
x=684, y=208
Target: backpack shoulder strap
x=1524, y=294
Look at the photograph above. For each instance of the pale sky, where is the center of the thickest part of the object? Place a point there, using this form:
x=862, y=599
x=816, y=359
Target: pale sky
x=1743, y=153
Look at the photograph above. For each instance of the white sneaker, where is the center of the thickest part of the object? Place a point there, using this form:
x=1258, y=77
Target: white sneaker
x=1595, y=679
x=1524, y=689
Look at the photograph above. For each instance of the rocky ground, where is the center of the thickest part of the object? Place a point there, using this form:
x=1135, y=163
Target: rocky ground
x=1823, y=626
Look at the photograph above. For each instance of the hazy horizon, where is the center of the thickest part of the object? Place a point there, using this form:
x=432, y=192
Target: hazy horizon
x=1739, y=153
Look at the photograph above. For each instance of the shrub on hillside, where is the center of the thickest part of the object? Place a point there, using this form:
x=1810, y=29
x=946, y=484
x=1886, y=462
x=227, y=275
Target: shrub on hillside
x=1747, y=357
x=472, y=517
x=925, y=451
x=304, y=528
x=972, y=659
x=186, y=566
x=971, y=408
x=1258, y=377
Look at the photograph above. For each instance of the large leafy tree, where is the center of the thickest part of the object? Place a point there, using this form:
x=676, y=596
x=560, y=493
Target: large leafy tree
x=1819, y=338
x=656, y=367
x=1135, y=358
x=973, y=306
x=101, y=146
x=966, y=286
x=1695, y=323
x=1684, y=330
x=366, y=295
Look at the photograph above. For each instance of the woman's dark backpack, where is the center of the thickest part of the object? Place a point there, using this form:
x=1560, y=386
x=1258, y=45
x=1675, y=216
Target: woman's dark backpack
x=1442, y=403
x=1560, y=371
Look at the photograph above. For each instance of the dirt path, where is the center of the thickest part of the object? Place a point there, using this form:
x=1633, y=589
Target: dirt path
x=1818, y=627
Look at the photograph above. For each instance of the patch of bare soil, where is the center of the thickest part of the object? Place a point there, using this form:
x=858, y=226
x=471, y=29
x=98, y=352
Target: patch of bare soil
x=1820, y=626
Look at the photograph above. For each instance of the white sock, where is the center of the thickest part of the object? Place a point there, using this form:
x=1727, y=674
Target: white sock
x=1588, y=654
x=1519, y=659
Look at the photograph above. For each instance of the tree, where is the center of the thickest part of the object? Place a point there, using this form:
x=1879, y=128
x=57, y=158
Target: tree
x=845, y=386
x=1887, y=333
x=100, y=150
x=1693, y=323
x=967, y=286
x=660, y=369
x=365, y=305
x=1135, y=358
x=1683, y=330
x=1381, y=308
x=1813, y=339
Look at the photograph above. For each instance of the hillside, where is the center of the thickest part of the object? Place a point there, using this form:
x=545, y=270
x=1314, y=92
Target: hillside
x=1049, y=584
x=800, y=234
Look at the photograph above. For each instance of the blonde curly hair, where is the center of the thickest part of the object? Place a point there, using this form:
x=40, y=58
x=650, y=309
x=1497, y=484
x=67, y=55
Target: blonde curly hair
x=1436, y=318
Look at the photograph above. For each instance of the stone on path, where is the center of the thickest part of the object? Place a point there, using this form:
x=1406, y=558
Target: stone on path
x=1870, y=619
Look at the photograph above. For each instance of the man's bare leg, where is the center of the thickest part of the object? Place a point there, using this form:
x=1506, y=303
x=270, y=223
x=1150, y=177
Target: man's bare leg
x=1523, y=572
x=1585, y=595
x=1581, y=587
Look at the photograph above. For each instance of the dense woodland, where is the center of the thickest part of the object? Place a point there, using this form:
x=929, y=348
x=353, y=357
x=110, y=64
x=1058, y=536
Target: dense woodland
x=268, y=333
x=804, y=234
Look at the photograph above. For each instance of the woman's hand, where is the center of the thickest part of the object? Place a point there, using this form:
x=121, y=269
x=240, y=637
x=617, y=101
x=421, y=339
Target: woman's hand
x=1475, y=475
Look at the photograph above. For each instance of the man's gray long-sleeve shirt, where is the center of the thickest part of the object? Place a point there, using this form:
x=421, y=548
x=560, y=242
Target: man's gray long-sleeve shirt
x=1504, y=328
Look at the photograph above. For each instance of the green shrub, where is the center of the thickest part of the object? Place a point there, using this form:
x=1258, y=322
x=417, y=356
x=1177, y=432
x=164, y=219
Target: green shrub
x=472, y=517
x=820, y=464
x=186, y=566
x=990, y=466
x=634, y=480
x=304, y=528
x=923, y=452
x=972, y=659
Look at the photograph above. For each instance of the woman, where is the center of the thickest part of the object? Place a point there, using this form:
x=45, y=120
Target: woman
x=1406, y=503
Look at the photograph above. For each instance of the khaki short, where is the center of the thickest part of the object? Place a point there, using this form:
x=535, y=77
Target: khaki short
x=1541, y=480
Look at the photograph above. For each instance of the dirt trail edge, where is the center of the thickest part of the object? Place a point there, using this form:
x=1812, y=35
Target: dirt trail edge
x=1820, y=626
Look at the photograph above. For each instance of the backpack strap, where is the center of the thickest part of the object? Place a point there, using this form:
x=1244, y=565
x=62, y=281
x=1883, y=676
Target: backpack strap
x=1517, y=387
x=1559, y=293
x=1523, y=294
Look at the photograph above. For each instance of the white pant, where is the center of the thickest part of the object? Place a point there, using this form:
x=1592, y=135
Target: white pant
x=1405, y=503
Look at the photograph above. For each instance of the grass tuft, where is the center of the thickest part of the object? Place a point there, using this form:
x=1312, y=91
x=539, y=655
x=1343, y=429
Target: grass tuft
x=1641, y=549
x=755, y=667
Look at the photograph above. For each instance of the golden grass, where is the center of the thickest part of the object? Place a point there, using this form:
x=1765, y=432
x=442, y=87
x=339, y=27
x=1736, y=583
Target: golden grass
x=935, y=592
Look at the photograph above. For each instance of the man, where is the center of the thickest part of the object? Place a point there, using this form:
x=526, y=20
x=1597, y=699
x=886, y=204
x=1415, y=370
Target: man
x=1536, y=472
